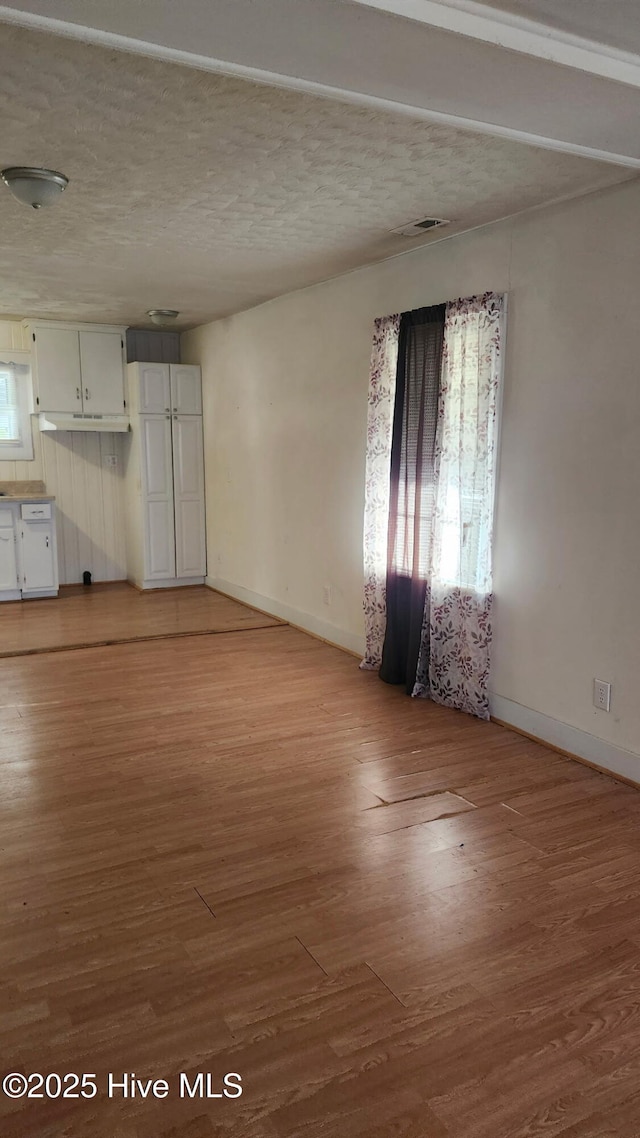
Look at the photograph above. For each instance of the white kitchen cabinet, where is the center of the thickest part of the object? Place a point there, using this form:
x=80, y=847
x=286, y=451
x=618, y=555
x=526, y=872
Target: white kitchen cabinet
x=186, y=389
x=154, y=388
x=188, y=495
x=162, y=388
x=157, y=495
x=164, y=479
x=78, y=369
x=56, y=369
x=8, y=561
x=28, y=556
x=37, y=556
x=102, y=368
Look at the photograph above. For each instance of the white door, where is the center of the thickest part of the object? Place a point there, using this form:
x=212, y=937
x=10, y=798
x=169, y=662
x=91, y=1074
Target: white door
x=188, y=481
x=157, y=497
x=186, y=389
x=8, y=567
x=57, y=357
x=38, y=569
x=154, y=388
x=102, y=366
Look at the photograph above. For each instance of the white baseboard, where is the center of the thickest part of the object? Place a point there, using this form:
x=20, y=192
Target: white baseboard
x=338, y=636
x=553, y=731
x=566, y=738
x=168, y=583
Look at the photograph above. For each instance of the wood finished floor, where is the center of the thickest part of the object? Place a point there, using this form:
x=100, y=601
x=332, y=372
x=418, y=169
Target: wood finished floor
x=114, y=613
x=240, y=853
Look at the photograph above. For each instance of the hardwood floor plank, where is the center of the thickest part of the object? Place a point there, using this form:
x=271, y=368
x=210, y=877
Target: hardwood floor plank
x=117, y=613
x=198, y=873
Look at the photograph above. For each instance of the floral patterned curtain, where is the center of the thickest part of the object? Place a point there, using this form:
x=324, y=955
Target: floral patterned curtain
x=382, y=387
x=453, y=667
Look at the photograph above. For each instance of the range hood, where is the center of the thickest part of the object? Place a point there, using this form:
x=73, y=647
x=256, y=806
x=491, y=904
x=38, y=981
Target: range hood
x=52, y=421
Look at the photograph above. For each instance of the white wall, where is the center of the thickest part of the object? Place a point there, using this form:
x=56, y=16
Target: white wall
x=285, y=414
x=88, y=493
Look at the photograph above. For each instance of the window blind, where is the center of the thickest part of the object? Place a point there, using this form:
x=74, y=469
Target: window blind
x=9, y=405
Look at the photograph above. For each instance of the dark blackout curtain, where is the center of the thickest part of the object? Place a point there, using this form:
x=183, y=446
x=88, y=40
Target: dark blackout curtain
x=412, y=491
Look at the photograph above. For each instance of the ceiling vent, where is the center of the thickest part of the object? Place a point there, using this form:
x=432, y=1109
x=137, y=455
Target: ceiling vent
x=419, y=228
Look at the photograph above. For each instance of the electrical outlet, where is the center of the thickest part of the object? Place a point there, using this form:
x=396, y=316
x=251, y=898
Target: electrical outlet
x=327, y=594
x=111, y=460
x=602, y=695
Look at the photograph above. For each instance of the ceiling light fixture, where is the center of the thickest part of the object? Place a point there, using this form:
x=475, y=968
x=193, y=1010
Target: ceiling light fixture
x=33, y=185
x=163, y=315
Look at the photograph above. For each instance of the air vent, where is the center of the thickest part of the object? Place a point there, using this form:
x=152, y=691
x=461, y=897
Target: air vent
x=418, y=228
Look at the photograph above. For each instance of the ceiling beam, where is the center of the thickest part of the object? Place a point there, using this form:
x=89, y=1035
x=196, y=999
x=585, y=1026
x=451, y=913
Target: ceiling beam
x=357, y=53
x=517, y=33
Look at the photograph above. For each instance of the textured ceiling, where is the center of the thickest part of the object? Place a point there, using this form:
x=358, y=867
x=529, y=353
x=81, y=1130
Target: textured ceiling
x=612, y=22
x=207, y=194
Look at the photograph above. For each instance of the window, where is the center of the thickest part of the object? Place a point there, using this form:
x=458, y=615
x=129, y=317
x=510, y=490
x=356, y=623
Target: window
x=16, y=441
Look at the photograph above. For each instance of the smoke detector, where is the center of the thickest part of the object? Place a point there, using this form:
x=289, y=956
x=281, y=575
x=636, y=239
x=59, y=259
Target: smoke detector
x=419, y=228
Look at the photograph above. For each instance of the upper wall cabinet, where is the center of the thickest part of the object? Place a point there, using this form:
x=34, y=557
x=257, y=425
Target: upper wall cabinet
x=186, y=389
x=167, y=388
x=102, y=363
x=78, y=369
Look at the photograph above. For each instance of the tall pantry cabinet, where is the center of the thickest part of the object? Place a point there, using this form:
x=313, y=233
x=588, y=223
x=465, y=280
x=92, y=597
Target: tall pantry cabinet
x=164, y=476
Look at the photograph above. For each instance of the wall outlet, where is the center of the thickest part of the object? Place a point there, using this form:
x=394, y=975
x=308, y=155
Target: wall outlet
x=111, y=460
x=327, y=594
x=602, y=695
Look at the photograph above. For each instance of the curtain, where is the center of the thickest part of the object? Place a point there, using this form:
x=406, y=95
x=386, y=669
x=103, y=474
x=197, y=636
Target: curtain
x=382, y=384
x=412, y=490
x=454, y=658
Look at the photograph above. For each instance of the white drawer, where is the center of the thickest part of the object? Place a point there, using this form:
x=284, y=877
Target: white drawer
x=6, y=517
x=35, y=511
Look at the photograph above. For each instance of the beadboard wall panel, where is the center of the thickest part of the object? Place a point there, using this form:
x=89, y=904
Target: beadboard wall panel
x=13, y=335
x=153, y=347
x=88, y=492
x=89, y=503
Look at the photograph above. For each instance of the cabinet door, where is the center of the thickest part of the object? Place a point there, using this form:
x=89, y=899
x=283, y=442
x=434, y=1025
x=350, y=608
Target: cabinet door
x=157, y=496
x=188, y=481
x=102, y=370
x=38, y=569
x=8, y=567
x=154, y=389
x=57, y=357
x=186, y=389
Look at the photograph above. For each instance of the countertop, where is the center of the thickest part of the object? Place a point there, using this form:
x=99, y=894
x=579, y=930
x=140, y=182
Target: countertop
x=26, y=498
x=27, y=491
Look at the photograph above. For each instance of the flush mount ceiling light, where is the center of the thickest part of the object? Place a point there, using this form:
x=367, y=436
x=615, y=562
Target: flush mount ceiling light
x=34, y=186
x=163, y=315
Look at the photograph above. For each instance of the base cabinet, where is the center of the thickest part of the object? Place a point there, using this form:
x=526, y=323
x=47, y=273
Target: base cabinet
x=8, y=555
x=38, y=569
x=28, y=556
x=164, y=475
